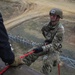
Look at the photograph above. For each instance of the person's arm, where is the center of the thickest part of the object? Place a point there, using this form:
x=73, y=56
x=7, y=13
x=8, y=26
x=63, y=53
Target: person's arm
x=5, y=50
x=56, y=43
x=45, y=30
x=6, y=53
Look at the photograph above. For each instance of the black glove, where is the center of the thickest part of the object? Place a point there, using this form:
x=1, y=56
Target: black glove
x=38, y=50
x=48, y=41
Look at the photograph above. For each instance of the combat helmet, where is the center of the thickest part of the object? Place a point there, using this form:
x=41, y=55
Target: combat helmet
x=56, y=11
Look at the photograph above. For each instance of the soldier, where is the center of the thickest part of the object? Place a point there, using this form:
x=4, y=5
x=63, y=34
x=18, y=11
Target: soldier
x=53, y=32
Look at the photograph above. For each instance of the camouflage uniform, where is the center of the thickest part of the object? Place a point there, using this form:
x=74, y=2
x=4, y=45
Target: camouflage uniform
x=52, y=50
x=55, y=36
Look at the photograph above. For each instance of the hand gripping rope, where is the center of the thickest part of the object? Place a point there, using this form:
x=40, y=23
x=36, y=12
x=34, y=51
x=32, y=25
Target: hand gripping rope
x=7, y=67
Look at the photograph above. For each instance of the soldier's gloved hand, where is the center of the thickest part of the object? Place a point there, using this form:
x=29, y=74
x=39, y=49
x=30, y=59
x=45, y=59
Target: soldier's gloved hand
x=38, y=50
x=47, y=42
x=17, y=61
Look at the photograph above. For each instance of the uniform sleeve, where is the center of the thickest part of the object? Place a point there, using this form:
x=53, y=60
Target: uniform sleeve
x=57, y=41
x=5, y=50
x=45, y=30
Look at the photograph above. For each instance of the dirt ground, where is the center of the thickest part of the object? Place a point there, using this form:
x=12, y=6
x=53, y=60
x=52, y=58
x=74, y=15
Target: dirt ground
x=10, y=9
x=26, y=18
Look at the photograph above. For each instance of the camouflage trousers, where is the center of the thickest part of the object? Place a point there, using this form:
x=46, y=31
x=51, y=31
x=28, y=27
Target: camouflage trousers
x=48, y=60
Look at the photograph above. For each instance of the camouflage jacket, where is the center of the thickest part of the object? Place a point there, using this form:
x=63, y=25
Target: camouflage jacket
x=54, y=35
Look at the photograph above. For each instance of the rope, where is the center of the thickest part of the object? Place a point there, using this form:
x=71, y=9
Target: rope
x=23, y=41
x=58, y=69
x=68, y=61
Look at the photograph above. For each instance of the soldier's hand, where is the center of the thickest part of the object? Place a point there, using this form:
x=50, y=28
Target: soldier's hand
x=17, y=61
x=48, y=42
x=38, y=50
